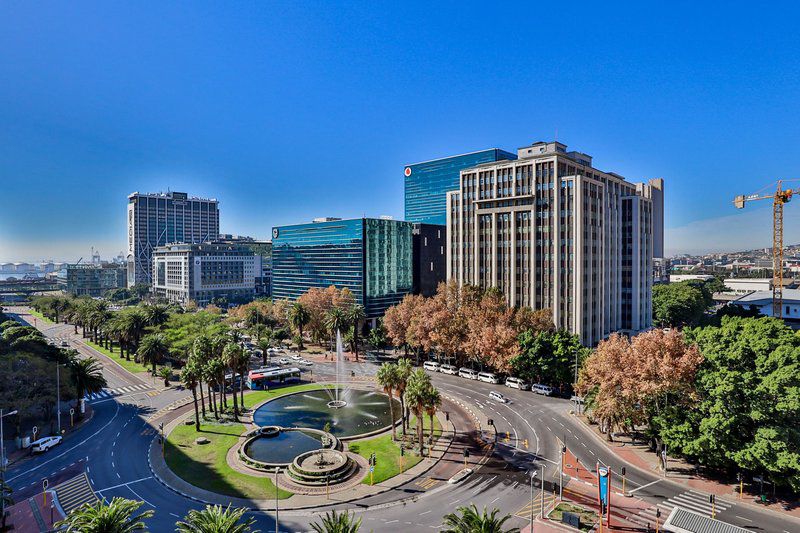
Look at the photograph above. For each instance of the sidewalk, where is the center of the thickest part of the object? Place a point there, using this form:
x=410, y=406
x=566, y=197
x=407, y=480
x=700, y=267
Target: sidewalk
x=32, y=515
x=684, y=473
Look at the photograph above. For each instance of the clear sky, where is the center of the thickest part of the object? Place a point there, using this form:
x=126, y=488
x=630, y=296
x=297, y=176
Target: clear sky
x=287, y=111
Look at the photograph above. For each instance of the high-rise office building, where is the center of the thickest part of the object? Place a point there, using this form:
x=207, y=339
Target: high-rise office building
x=427, y=183
x=263, y=255
x=204, y=273
x=430, y=257
x=551, y=231
x=162, y=218
x=371, y=257
x=91, y=279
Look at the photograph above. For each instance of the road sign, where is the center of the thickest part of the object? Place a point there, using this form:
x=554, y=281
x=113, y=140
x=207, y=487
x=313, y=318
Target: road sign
x=371, y=469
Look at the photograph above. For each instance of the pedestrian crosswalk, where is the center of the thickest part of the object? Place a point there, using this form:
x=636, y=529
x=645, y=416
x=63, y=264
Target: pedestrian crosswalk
x=74, y=492
x=119, y=391
x=535, y=506
x=691, y=499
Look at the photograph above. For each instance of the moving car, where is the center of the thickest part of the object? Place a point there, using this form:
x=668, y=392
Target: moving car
x=64, y=344
x=306, y=362
x=496, y=396
x=467, y=373
x=285, y=361
x=517, y=383
x=44, y=444
x=448, y=369
x=488, y=377
x=433, y=366
x=538, y=388
x=296, y=356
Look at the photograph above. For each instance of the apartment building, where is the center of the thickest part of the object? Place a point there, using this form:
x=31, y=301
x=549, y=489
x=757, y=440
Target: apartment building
x=551, y=231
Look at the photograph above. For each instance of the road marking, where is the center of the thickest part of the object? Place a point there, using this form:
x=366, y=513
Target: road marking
x=643, y=486
x=125, y=484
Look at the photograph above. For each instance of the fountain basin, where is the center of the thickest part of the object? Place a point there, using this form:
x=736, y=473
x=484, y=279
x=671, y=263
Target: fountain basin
x=272, y=446
x=320, y=467
x=356, y=413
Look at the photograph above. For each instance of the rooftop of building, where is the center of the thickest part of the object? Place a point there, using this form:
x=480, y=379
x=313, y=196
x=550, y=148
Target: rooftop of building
x=759, y=298
x=202, y=247
x=175, y=195
x=332, y=220
x=458, y=155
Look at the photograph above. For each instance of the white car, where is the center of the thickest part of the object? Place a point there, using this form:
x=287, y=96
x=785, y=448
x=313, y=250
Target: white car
x=296, y=356
x=496, y=396
x=44, y=444
x=433, y=366
x=468, y=373
x=448, y=369
x=306, y=362
x=546, y=390
x=64, y=344
x=285, y=361
x=488, y=377
x=517, y=383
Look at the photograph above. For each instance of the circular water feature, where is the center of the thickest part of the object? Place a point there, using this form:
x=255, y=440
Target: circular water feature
x=282, y=447
x=356, y=412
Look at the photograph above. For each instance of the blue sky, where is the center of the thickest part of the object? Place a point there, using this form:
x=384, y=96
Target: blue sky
x=287, y=111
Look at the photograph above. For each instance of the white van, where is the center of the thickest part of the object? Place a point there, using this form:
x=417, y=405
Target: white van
x=44, y=444
x=467, y=373
x=538, y=388
x=496, y=396
x=517, y=383
x=433, y=366
x=488, y=377
x=448, y=369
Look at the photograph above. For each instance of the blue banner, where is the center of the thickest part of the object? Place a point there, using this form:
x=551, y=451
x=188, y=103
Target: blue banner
x=602, y=474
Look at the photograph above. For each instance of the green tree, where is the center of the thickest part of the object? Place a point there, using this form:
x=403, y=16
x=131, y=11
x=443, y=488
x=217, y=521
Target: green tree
x=117, y=516
x=387, y=377
x=548, y=357
x=336, y=522
x=377, y=337
x=156, y=315
x=335, y=320
x=433, y=400
x=679, y=304
x=233, y=355
x=190, y=377
x=298, y=318
x=87, y=376
x=153, y=349
x=404, y=370
x=417, y=397
x=748, y=414
x=355, y=314
x=470, y=520
x=216, y=519
x=6, y=493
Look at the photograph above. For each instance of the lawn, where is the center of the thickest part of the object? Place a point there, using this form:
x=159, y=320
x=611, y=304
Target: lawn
x=40, y=316
x=114, y=354
x=256, y=397
x=205, y=465
x=387, y=452
x=588, y=518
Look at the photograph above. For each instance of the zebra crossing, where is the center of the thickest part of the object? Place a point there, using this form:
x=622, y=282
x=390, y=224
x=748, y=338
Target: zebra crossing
x=120, y=391
x=691, y=499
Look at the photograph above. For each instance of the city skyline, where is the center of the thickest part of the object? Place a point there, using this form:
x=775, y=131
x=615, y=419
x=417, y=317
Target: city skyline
x=236, y=117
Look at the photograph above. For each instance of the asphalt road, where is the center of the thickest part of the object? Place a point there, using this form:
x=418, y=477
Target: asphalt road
x=112, y=449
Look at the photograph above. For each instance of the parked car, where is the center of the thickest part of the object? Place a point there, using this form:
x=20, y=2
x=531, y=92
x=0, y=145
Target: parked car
x=285, y=361
x=517, y=383
x=467, y=373
x=306, y=362
x=448, y=369
x=433, y=366
x=488, y=377
x=296, y=356
x=538, y=388
x=44, y=444
x=496, y=396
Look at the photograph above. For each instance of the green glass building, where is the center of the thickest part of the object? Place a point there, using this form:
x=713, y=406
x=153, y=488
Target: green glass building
x=371, y=257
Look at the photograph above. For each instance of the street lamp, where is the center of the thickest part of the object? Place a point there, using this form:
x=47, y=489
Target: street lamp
x=533, y=475
x=3, y=462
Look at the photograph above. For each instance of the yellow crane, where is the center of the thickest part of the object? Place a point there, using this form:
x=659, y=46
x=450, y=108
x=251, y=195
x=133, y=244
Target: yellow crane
x=780, y=197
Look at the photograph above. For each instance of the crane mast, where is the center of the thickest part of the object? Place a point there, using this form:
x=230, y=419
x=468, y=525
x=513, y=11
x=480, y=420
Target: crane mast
x=779, y=199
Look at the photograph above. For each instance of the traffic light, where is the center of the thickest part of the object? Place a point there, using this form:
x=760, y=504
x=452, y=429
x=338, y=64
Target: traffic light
x=374, y=459
x=447, y=416
x=466, y=453
x=623, y=470
x=490, y=422
x=711, y=498
x=402, y=451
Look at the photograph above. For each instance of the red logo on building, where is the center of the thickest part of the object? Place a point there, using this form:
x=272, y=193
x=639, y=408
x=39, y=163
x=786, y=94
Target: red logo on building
x=408, y=171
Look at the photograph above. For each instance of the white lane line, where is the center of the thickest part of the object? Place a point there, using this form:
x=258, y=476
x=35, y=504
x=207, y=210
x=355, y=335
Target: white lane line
x=125, y=484
x=426, y=512
x=643, y=486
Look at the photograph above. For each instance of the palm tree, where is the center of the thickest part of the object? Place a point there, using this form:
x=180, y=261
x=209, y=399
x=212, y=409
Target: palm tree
x=87, y=375
x=190, y=378
x=212, y=370
x=404, y=370
x=355, y=314
x=433, y=400
x=387, y=378
x=132, y=327
x=153, y=349
x=334, y=522
x=216, y=519
x=202, y=351
x=298, y=318
x=416, y=397
x=218, y=343
x=265, y=343
x=470, y=520
x=118, y=516
x=156, y=315
x=232, y=357
x=5, y=494
x=335, y=320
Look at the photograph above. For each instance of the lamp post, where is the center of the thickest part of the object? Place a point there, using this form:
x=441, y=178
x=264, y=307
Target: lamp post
x=58, y=396
x=276, y=498
x=533, y=475
x=3, y=461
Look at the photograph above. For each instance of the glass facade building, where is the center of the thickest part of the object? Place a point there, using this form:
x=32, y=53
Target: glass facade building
x=427, y=183
x=371, y=257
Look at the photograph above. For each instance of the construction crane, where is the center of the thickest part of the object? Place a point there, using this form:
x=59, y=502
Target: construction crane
x=780, y=197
